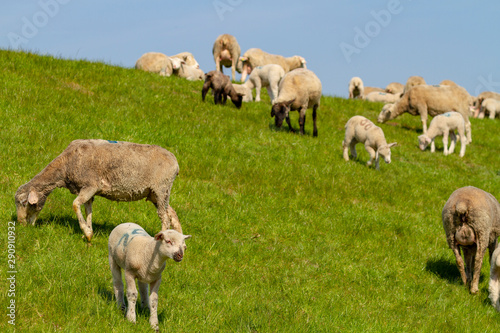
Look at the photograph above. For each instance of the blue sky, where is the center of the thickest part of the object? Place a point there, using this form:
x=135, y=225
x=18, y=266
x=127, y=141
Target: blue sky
x=379, y=41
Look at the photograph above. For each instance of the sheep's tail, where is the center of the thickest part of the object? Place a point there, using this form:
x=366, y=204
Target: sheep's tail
x=462, y=209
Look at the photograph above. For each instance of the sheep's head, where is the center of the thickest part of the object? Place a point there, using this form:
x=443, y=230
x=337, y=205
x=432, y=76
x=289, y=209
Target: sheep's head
x=385, y=152
x=386, y=113
x=29, y=203
x=171, y=244
x=280, y=111
x=302, y=62
x=423, y=141
x=176, y=63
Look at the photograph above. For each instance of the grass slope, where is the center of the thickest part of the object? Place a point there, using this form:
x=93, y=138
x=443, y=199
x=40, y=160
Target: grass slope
x=287, y=236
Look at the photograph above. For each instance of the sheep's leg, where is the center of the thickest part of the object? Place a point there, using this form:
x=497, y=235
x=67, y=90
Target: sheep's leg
x=85, y=195
x=244, y=72
x=88, y=211
x=345, y=150
x=492, y=247
x=143, y=291
x=289, y=124
x=273, y=91
x=233, y=68
x=492, y=114
x=373, y=154
x=302, y=119
x=445, y=143
x=117, y=283
x=153, y=304
x=204, y=90
x=423, y=116
x=468, y=130
x=258, y=87
x=167, y=214
x=315, y=130
x=352, y=148
x=478, y=263
x=433, y=146
x=453, y=143
x=494, y=285
x=460, y=264
x=131, y=296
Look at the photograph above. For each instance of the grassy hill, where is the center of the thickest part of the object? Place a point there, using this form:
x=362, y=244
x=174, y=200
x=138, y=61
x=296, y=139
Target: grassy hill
x=287, y=236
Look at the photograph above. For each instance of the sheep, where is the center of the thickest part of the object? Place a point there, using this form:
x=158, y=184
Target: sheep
x=369, y=90
x=268, y=76
x=356, y=88
x=245, y=90
x=494, y=284
x=226, y=51
x=190, y=73
x=188, y=59
x=377, y=96
x=360, y=129
x=426, y=100
x=142, y=258
x=156, y=62
x=115, y=170
x=471, y=208
x=445, y=124
x=490, y=105
x=412, y=82
x=481, y=97
x=221, y=87
x=299, y=90
x=448, y=83
x=256, y=57
x=394, y=88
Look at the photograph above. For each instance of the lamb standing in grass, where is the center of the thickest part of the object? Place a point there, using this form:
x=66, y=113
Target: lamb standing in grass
x=359, y=129
x=226, y=51
x=490, y=106
x=221, y=87
x=268, y=76
x=142, y=257
x=469, y=208
x=299, y=90
x=115, y=170
x=494, y=285
x=445, y=124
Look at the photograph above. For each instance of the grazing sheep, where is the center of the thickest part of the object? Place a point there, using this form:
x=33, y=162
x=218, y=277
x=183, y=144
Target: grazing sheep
x=471, y=208
x=360, y=129
x=187, y=58
x=299, y=90
x=226, y=51
x=268, y=76
x=356, y=88
x=221, y=87
x=395, y=88
x=377, y=96
x=156, y=62
x=490, y=106
x=142, y=258
x=481, y=97
x=256, y=57
x=426, y=100
x=494, y=285
x=445, y=124
x=119, y=171
x=189, y=72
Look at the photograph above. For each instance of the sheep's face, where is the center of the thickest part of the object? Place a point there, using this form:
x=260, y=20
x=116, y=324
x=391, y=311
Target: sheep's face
x=28, y=205
x=172, y=244
x=385, y=114
x=280, y=111
x=423, y=141
x=385, y=152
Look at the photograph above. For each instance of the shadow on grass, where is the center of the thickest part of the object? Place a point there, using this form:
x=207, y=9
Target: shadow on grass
x=446, y=270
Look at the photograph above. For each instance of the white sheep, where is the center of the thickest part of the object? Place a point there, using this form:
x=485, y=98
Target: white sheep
x=412, y=82
x=226, y=52
x=494, y=285
x=474, y=214
x=356, y=87
x=384, y=97
x=490, y=106
x=395, y=88
x=254, y=57
x=142, y=258
x=445, y=124
x=188, y=59
x=190, y=73
x=268, y=76
x=427, y=100
x=115, y=170
x=300, y=90
x=157, y=62
x=359, y=129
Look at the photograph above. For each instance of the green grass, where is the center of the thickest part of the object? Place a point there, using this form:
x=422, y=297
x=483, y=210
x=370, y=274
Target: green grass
x=287, y=236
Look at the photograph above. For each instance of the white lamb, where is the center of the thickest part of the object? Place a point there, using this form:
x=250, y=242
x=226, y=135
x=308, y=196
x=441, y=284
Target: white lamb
x=142, y=257
x=360, y=129
x=190, y=73
x=490, y=106
x=445, y=124
x=494, y=285
x=356, y=88
x=268, y=76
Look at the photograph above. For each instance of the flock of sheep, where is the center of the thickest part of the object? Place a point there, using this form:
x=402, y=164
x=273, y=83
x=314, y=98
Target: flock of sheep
x=129, y=172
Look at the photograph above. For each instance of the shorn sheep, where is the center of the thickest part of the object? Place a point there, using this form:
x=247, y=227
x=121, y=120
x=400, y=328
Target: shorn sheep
x=226, y=52
x=494, y=285
x=222, y=88
x=142, y=258
x=115, y=170
x=427, y=100
x=359, y=129
x=445, y=124
x=299, y=90
x=356, y=88
x=256, y=57
x=471, y=221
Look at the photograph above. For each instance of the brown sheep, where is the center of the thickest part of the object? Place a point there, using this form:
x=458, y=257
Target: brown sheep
x=222, y=87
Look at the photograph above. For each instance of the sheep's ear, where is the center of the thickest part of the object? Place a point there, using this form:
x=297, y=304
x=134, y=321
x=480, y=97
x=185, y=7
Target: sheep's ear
x=187, y=236
x=392, y=144
x=159, y=236
x=33, y=197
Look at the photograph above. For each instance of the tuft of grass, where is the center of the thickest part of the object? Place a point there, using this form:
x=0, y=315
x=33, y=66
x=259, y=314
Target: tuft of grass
x=287, y=236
